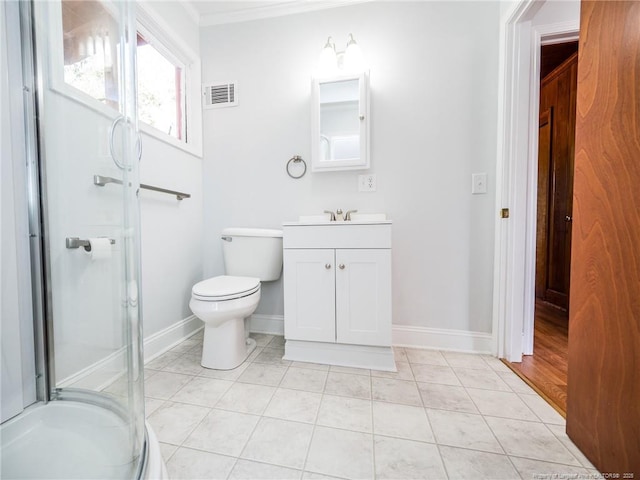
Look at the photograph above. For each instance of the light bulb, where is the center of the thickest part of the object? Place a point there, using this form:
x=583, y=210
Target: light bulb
x=353, y=58
x=328, y=62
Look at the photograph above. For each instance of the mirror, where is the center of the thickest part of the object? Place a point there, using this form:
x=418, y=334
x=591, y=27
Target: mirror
x=340, y=124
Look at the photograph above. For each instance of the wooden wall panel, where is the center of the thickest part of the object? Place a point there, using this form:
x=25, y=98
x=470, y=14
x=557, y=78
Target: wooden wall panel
x=603, y=403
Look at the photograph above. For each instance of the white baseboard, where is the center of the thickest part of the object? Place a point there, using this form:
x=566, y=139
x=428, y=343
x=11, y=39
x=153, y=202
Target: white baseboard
x=271, y=324
x=104, y=372
x=442, y=339
x=158, y=343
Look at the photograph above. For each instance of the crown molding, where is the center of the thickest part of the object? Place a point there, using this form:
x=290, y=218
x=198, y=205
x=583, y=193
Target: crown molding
x=274, y=10
x=191, y=11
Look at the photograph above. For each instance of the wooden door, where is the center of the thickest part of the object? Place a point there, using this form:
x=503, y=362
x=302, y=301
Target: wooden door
x=603, y=402
x=555, y=182
x=363, y=296
x=309, y=295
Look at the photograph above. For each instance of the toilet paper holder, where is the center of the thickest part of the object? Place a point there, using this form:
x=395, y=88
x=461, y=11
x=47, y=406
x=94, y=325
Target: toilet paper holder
x=75, y=242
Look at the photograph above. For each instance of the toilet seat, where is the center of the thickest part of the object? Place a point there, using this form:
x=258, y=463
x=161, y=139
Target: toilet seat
x=225, y=287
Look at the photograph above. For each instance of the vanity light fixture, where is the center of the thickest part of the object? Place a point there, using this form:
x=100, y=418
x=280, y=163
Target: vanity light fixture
x=334, y=62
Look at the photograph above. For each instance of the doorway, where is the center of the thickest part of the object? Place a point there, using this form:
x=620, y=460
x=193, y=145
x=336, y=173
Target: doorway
x=546, y=368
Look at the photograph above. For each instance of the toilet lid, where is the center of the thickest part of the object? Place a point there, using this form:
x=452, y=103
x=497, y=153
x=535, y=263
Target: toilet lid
x=225, y=287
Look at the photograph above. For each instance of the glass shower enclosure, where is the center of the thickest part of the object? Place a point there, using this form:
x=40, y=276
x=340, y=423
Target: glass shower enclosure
x=79, y=117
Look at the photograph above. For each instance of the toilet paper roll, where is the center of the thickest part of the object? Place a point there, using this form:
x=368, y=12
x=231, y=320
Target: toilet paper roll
x=100, y=249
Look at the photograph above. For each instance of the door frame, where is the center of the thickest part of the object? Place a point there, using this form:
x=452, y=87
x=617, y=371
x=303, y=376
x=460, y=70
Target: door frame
x=516, y=174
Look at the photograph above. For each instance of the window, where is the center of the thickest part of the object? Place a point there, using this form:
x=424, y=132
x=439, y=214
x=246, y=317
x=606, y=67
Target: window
x=90, y=39
x=160, y=85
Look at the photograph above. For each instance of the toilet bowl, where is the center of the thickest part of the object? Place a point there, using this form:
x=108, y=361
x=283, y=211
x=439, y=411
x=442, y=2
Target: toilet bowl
x=223, y=303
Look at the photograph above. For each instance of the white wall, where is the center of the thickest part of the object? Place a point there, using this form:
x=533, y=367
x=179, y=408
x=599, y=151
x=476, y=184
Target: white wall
x=434, y=69
x=171, y=230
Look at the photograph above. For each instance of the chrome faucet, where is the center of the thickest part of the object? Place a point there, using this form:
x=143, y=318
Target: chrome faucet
x=347, y=217
x=333, y=215
x=339, y=216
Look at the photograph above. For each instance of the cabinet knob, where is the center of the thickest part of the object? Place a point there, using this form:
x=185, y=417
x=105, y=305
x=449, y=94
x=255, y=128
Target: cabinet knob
x=341, y=266
x=327, y=266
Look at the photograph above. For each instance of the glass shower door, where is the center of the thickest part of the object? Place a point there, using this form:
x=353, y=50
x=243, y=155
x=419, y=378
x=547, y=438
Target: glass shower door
x=84, y=124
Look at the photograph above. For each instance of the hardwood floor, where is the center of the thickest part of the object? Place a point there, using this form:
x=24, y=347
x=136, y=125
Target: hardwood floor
x=546, y=369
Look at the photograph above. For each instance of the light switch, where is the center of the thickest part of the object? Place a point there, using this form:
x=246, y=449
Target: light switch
x=478, y=183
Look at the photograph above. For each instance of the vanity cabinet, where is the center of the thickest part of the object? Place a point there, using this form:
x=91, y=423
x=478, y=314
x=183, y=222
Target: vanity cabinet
x=337, y=293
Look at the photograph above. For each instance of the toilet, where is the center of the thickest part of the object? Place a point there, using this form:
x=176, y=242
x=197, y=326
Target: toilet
x=251, y=256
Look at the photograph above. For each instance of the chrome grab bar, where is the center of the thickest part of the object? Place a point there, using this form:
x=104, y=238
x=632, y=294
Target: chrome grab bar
x=101, y=181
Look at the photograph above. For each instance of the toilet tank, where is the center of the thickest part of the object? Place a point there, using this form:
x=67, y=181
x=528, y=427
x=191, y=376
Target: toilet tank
x=252, y=252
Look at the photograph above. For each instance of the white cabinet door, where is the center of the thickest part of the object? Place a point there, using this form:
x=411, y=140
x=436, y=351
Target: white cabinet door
x=309, y=295
x=363, y=296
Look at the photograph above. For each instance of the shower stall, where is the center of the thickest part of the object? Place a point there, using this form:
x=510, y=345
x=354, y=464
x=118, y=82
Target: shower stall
x=72, y=367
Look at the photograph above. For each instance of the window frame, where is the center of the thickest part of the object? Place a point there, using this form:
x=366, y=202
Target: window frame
x=157, y=32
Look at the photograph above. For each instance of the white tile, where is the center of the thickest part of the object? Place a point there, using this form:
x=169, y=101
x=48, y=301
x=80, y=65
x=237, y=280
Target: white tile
x=530, y=440
x=470, y=464
x=261, y=374
x=276, y=342
x=485, y=379
x=272, y=356
x=395, y=391
x=542, y=409
x=435, y=374
x=294, y=405
x=224, y=374
x=501, y=404
x=246, y=398
x=202, y=391
x=400, y=354
x=254, y=354
x=186, y=345
x=465, y=360
x=353, y=371
x=248, y=470
x=151, y=405
x=188, y=464
x=311, y=366
x=262, y=339
x=402, y=421
x=404, y=372
x=535, y=469
x=162, y=361
x=223, y=432
x=304, y=379
x=426, y=357
x=341, y=453
x=317, y=476
x=279, y=442
x=345, y=412
x=446, y=397
x=496, y=364
x=515, y=382
x=560, y=432
x=464, y=430
x=173, y=422
x=347, y=385
x=186, y=364
x=166, y=450
x=164, y=385
x=406, y=459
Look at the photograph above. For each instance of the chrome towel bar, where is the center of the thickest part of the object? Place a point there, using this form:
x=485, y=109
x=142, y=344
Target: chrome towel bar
x=101, y=181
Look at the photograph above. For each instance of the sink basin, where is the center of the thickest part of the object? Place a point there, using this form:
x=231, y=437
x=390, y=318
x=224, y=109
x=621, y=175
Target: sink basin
x=322, y=217
x=368, y=217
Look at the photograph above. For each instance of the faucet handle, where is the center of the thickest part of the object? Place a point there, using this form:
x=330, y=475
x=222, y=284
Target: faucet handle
x=333, y=215
x=347, y=217
x=339, y=211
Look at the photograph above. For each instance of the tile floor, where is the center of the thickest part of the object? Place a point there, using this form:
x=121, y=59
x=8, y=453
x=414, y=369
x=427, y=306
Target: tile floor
x=442, y=415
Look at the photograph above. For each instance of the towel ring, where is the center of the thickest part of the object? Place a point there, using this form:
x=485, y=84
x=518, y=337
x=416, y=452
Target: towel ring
x=296, y=159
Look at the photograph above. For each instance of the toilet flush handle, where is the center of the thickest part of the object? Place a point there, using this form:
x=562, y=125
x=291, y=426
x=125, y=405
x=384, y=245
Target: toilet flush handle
x=227, y=239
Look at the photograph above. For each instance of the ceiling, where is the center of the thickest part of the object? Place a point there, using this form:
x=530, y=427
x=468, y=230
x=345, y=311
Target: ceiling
x=214, y=12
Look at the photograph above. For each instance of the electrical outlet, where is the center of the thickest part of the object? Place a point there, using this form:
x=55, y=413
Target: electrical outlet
x=367, y=183
x=478, y=183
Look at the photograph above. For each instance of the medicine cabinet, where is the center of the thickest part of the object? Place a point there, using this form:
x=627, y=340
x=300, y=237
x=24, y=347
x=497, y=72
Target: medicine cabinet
x=340, y=123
